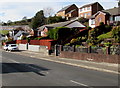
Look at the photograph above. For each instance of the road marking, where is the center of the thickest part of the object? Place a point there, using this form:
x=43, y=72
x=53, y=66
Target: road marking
x=80, y=83
x=14, y=61
x=32, y=56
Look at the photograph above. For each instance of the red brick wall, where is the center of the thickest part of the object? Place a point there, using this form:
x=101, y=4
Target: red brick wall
x=34, y=42
x=91, y=56
x=21, y=41
x=102, y=16
x=48, y=43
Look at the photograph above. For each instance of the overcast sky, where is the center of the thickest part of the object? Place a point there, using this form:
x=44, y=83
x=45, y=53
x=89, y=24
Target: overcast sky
x=15, y=10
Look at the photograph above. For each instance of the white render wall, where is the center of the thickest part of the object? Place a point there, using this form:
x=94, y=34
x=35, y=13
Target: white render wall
x=34, y=48
x=90, y=24
x=22, y=46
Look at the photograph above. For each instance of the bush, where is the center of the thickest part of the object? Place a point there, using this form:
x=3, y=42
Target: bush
x=59, y=33
x=116, y=34
x=104, y=36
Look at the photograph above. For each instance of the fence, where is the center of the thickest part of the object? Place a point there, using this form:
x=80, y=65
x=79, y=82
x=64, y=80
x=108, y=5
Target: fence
x=97, y=54
x=97, y=50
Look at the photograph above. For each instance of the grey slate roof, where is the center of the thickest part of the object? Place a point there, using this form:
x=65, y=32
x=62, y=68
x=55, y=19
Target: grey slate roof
x=60, y=24
x=63, y=9
x=93, y=16
x=113, y=11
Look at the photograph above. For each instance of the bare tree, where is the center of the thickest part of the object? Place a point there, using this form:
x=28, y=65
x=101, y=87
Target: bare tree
x=48, y=11
x=24, y=18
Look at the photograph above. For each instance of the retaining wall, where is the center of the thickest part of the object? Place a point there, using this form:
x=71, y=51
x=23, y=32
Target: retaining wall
x=91, y=57
x=22, y=46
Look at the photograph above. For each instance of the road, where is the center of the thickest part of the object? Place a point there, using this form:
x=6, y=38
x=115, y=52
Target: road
x=18, y=70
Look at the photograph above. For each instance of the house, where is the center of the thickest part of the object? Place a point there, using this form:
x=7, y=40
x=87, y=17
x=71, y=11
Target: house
x=19, y=33
x=3, y=37
x=42, y=31
x=68, y=12
x=109, y=16
x=88, y=10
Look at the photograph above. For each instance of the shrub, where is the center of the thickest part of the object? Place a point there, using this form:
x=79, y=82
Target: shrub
x=116, y=34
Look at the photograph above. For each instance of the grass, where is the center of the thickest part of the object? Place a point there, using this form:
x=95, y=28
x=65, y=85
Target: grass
x=4, y=32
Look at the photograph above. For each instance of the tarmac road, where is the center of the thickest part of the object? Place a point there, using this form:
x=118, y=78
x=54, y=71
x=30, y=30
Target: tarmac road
x=18, y=70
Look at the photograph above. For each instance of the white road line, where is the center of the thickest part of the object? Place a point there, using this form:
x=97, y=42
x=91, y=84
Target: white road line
x=80, y=83
x=14, y=61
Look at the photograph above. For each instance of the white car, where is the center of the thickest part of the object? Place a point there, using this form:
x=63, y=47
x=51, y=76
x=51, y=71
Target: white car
x=11, y=47
x=5, y=47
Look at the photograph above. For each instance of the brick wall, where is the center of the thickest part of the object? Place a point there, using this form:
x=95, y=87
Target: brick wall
x=48, y=43
x=21, y=41
x=103, y=17
x=91, y=57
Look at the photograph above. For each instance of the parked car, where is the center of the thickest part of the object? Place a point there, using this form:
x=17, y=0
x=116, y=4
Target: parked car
x=10, y=47
x=5, y=47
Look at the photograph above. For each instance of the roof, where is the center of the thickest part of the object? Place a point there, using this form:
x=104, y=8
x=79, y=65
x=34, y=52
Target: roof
x=63, y=9
x=112, y=11
x=87, y=5
x=93, y=16
x=71, y=11
x=60, y=24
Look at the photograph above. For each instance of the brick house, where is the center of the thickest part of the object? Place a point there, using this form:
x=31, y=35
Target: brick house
x=109, y=16
x=88, y=10
x=70, y=11
x=42, y=31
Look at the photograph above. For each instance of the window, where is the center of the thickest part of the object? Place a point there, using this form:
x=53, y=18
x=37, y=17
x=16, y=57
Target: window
x=111, y=18
x=88, y=8
x=93, y=21
x=99, y=19
x=117, y=18
x=88, y=14
x=85, y=14
x=80, y=10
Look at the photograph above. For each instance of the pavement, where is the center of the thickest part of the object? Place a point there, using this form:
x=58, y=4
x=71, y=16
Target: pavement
x=106, y=67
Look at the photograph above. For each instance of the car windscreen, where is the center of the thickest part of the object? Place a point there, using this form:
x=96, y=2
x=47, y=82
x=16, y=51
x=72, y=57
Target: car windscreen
x=6, y=45
x=13, y=45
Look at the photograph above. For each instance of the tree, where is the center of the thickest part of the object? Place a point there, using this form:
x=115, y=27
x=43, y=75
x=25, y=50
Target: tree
x=37, y=20
x=60, y=34
x=55, y=19
x=48, y=11
x=92, y=37
x=9, y=22
x=24, y=18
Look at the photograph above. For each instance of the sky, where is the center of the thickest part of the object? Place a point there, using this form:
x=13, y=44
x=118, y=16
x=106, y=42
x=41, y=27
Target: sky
x=15, y=10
